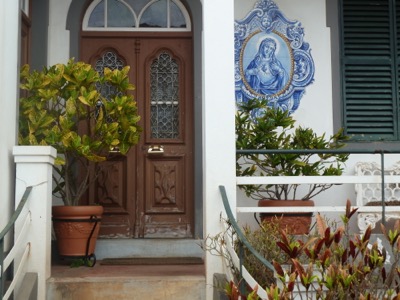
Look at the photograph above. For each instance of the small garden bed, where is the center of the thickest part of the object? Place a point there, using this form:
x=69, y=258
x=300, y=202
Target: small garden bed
x=333, y=263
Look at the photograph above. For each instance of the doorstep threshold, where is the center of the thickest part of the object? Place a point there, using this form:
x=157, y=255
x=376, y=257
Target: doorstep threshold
x=117, y=248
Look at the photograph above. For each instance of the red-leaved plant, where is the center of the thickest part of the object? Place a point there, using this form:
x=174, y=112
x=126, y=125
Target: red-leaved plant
x=233, y=293
x=340, y=266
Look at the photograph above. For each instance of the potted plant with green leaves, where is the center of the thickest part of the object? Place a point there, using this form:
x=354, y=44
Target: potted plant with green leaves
x=262, y=127
x=63, y=106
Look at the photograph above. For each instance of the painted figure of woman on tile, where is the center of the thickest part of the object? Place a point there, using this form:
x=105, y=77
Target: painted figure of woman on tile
x=265, y=74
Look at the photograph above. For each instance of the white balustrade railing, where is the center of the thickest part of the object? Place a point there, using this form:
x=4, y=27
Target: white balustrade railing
x=13, y=253
x=31, y=250
x=349, y=179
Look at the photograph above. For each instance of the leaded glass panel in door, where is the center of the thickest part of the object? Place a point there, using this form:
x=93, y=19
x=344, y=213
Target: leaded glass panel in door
x=164, y=97
x=111, y=61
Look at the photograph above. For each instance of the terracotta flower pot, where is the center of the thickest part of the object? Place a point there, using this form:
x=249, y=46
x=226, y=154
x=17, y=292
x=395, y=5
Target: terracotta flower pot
x=294, y=223
x=76, y=229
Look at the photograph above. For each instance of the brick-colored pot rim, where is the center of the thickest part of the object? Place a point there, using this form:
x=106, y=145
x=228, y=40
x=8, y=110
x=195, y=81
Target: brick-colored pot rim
x=285, y=203
x=78, y=211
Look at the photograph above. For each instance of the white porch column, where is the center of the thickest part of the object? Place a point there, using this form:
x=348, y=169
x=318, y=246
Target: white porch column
x=218, y=120
x=34, y=168
x=9, y=79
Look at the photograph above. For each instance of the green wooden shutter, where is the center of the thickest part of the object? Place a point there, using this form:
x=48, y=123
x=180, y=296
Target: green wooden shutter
x=369, y=70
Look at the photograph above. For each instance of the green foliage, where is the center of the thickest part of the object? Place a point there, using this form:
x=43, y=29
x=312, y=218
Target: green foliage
x=264, y=240
x=62, y=106
x=340, y=266
x=79, y=262
x=260, y=127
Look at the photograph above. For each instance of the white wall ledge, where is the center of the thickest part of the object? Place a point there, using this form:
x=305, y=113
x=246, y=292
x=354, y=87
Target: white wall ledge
x=34, y=154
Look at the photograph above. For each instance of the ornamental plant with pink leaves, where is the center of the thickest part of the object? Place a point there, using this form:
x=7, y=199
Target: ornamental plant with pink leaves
x=340, y=265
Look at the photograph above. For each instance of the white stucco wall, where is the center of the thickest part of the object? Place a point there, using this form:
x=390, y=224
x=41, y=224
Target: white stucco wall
x=315, y=108
x=218, y=120
x=59, y=40
x=9, y=78
x=316, y=105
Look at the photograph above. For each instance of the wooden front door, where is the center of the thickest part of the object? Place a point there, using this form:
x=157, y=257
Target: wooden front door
x=149, y=193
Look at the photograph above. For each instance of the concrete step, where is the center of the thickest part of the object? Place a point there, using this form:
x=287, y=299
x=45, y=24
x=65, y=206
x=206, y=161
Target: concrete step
x=150, y=282
x=113, y=248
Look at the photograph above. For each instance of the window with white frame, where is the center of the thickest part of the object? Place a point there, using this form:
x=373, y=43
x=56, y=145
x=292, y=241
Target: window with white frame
x=136, y=15
x=370, y=66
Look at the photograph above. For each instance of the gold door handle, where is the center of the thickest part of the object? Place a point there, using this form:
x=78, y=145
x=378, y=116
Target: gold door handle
x=156, y=149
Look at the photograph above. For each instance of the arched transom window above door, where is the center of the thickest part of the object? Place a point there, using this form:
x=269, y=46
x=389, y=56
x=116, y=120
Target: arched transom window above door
x=136, y=15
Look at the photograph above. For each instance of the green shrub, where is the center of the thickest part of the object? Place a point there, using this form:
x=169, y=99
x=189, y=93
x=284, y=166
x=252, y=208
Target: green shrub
x=261, y=127
x=63, y=106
